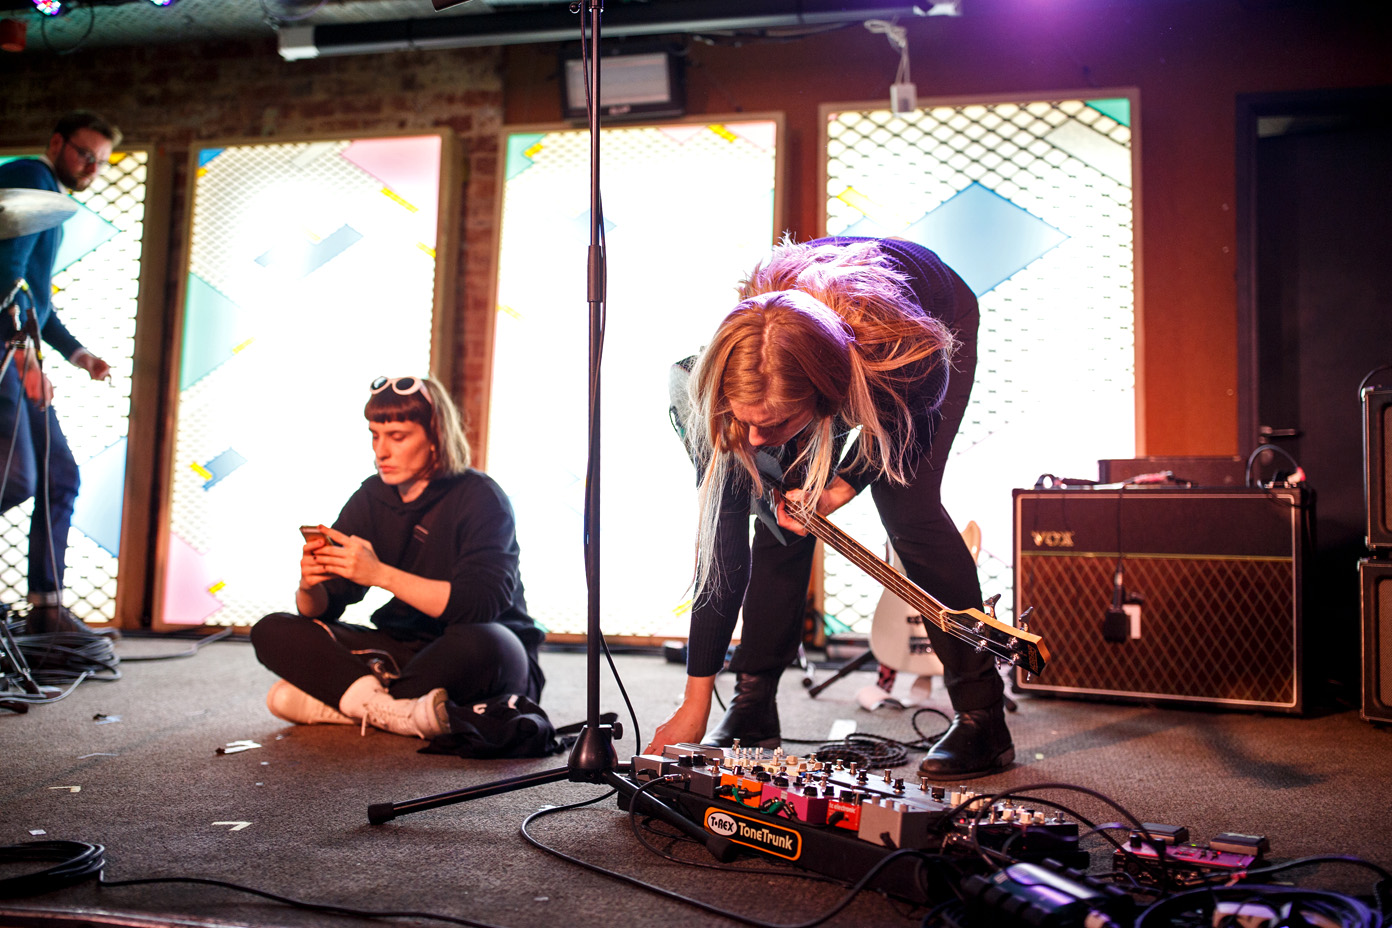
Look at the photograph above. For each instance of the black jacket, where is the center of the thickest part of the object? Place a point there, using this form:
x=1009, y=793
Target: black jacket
x=459, y=529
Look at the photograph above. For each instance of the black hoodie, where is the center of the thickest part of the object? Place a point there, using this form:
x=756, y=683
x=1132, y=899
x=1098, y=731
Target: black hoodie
x=459, y=529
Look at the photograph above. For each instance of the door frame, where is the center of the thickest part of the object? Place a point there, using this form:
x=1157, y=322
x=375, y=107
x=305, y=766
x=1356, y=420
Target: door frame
x=1257, y=115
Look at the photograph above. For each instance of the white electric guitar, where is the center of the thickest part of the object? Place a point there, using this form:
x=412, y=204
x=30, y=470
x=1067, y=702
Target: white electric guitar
x=897, y=636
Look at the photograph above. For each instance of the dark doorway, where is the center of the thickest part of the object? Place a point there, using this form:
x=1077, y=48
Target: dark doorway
x=1315, y=278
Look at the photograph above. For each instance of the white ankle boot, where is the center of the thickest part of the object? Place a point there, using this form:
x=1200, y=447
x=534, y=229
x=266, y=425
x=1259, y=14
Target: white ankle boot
x=423, y=717
x=289, y=702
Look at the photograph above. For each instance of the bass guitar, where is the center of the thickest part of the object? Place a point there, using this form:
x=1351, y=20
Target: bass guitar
x=897, y=635
x=1009, y=643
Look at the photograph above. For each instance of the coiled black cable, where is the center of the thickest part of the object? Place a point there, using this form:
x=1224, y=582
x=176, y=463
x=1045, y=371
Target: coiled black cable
x=74, y=862
x=866, y=749
x=60, y=660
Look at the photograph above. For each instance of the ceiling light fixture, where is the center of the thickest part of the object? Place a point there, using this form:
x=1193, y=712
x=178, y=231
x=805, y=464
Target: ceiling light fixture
x=553, y=23
x=50, y=7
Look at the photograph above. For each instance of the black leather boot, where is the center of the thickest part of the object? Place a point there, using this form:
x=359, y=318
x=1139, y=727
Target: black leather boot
x=976, y=744
x=753, y=713
x=51, y=619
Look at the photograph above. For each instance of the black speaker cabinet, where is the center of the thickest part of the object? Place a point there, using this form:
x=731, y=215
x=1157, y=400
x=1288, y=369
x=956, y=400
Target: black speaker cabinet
x=1377, y=449
x=1210, y=584
x=1376, y=577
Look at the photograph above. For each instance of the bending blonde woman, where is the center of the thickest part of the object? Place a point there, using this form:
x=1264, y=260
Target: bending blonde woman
x=832, y=336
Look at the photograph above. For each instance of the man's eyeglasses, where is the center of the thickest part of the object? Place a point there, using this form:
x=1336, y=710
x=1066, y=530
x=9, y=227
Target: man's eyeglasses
x=402, y=386
x=85, y=155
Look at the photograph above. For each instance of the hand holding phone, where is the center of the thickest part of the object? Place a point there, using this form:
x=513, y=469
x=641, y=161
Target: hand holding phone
x=315, y=533
x=312, y=571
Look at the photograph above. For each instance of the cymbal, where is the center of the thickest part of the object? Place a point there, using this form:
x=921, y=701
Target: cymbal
x=24, y=211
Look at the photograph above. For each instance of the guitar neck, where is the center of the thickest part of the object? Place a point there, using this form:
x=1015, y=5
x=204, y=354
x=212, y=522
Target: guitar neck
x=862, y=557
x=977, y=628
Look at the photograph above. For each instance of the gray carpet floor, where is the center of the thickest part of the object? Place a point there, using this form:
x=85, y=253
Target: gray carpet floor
x=134, y=765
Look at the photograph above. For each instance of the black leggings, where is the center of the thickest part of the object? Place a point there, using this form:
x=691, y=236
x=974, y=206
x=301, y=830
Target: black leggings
x=471, y=662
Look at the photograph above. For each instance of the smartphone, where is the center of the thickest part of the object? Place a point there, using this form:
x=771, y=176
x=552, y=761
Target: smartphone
x=313, y=533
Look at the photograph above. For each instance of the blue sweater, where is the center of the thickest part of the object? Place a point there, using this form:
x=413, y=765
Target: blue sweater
x=31, y=257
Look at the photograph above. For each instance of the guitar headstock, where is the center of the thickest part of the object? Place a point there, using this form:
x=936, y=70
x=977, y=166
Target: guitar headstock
x=1013, y=645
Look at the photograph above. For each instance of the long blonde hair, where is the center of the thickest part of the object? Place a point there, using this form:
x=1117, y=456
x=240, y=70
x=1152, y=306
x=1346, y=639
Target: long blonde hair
x=829, y=325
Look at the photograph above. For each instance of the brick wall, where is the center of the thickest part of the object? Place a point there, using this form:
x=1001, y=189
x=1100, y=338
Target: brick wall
x=171, y=96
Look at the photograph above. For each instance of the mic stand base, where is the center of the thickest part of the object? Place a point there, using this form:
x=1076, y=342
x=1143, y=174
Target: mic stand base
x=591, y=761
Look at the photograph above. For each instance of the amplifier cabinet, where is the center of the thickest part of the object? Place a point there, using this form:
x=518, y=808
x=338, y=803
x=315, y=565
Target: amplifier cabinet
x=1376, y=577
x=1377, y=476
x=1210, y=581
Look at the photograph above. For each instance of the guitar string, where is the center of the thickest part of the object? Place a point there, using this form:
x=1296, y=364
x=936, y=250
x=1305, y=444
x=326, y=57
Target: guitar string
x=900, y=585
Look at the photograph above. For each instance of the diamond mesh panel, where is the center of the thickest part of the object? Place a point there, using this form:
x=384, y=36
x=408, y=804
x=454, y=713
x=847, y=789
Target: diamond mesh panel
x=95, y=296
x=1217, y=630
x=978, y=184
x=726, y=198
x=307, y=268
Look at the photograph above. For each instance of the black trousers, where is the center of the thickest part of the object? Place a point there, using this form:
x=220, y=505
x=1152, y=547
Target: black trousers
x=932, y=550
x=471, y=661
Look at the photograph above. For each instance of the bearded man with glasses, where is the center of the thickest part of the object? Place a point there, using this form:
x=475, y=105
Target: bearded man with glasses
x=40, y=464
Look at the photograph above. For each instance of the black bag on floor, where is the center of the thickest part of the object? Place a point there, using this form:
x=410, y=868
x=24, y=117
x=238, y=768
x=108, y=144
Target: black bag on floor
x=510, y=725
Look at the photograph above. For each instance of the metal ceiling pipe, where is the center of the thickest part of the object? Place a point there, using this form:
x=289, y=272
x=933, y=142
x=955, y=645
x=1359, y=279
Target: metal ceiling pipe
x=558, y=24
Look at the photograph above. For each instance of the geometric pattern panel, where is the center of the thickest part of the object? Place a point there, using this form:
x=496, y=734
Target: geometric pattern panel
x=688, y=209
x=95, y=290
x=1031, y=201
x=1217, y=630
x=311, y=271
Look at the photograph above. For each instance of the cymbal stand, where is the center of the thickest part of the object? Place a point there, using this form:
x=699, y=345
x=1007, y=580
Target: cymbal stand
x=593, y=758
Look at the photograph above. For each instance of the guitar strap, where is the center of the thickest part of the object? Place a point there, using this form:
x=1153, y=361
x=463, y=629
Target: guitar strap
x=679, y=399
x=762, y=505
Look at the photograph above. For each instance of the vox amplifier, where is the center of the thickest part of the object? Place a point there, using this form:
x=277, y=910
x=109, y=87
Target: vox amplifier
x=1165, y=594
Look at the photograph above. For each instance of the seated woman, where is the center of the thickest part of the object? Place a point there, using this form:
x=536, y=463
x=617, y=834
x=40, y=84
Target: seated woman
x=437, y=535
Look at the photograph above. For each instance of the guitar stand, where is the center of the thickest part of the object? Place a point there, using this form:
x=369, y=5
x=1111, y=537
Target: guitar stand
x=867, y=656
x=847, y=669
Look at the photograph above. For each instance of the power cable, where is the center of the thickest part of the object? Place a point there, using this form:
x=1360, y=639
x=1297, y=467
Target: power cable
x=78, y=861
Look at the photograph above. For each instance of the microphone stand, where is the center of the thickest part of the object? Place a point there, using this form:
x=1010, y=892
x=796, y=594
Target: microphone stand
x=592, y=758
x=12, y=662
x=16, y=341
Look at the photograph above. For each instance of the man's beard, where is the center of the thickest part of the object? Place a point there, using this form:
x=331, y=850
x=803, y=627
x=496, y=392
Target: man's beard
x=72, y=182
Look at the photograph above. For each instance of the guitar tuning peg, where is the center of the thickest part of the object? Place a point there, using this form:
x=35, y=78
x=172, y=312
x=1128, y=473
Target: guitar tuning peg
x=990, y=605
x=1022, y=620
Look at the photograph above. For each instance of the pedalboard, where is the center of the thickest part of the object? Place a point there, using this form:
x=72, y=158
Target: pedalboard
x=841, y=819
